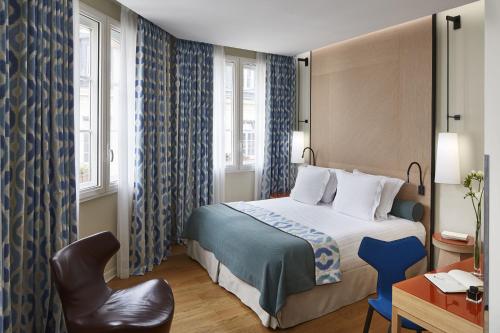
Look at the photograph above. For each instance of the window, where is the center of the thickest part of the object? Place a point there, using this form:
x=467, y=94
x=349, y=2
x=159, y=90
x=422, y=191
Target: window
x=99, y=57
x=240, y=113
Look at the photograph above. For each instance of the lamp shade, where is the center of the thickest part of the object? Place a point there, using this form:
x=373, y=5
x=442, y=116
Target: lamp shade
x=297, y=147
x=447, y=159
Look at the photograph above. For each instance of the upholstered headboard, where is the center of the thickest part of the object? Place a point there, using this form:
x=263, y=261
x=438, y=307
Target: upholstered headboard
x=372, y=106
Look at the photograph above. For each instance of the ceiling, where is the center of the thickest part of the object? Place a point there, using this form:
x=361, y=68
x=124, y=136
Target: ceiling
x=287, y=27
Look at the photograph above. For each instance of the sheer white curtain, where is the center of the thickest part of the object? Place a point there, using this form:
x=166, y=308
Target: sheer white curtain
x=127, y=137
x=219, y=166
x=260, y=122
x=76, y=101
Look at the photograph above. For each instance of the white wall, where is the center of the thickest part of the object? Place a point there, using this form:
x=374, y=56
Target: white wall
x=240, y=186
x=492, y=147
x=109, y=7
x=98, y=215
x=467, y=99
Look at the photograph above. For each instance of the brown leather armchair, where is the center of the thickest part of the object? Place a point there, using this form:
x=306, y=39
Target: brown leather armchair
x=91, y=306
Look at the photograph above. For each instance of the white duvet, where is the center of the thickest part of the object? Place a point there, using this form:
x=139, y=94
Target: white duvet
x=347, y=231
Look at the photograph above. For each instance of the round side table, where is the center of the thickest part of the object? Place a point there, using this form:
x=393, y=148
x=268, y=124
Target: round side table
x=452, y=251
x=278, y=195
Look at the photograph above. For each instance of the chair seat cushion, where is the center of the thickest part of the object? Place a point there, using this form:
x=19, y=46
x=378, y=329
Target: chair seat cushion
x=140, y=308
x=384, y=308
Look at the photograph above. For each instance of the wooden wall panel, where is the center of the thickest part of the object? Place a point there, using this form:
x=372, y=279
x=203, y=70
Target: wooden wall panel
x=371, y=105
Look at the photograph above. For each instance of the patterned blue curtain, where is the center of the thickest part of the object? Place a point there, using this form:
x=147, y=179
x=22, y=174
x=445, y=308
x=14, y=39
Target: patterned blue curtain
x=152, y=218
x=37, y=161
x=192, y=130
x=173, y=171
x=280, y=110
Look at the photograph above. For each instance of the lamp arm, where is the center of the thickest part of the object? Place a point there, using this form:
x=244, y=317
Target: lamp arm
x=421, y=187
x=312, y=151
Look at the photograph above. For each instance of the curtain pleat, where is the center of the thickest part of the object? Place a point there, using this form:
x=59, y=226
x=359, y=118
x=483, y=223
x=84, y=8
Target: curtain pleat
x=37, y=164
x=280, y=111
x=150, y=236
x=194, y=63
x=173, y=169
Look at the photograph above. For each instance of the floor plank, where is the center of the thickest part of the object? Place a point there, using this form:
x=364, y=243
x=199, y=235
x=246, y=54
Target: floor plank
x=203, y=307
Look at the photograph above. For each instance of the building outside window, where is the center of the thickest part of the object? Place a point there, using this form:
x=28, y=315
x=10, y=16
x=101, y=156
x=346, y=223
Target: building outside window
x=240, y=113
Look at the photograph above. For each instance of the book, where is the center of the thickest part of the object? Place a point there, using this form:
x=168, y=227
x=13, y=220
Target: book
x=455, y=281
x=454, y=235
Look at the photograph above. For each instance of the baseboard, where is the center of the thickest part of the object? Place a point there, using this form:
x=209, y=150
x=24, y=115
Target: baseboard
x=109, y=274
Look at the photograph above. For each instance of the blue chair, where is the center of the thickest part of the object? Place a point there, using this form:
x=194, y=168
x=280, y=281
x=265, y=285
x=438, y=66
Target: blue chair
x=391, y=260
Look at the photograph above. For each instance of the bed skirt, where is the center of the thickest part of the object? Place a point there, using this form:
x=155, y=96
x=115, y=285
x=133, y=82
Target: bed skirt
x=356, y=284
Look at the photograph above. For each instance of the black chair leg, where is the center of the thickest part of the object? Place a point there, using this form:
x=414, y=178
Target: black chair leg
x=368, y=320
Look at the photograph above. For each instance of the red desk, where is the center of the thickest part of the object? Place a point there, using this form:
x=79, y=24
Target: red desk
x=418, y=300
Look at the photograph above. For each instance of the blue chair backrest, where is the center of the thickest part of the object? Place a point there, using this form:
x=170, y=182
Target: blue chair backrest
x=391, y=260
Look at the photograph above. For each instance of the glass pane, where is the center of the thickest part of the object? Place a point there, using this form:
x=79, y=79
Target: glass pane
x=85, y=73
x=114, y=95
x=85, y=106
x=249, y=115
x=85, y=158
x=229, y=112
x=85, y=50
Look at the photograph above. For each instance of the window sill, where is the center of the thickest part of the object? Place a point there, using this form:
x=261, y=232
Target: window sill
x=89, y=195
x=228, y=171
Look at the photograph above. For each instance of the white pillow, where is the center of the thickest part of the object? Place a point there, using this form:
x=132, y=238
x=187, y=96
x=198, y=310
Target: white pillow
x=389, y=192
x=357, y=195
x=310, y=185
x=331, y=187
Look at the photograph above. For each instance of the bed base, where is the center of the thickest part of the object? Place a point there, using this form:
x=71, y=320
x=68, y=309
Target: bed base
x=356, y=284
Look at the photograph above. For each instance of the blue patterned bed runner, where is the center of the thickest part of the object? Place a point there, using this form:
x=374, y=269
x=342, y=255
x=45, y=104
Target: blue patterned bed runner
x=325, y=248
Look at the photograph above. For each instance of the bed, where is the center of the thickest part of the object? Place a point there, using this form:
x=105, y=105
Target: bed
x=307, y=301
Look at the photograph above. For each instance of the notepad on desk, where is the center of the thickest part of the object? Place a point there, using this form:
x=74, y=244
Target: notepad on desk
x=455, y=281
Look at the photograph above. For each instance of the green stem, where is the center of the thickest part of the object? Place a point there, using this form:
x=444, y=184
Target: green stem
x=474, y=206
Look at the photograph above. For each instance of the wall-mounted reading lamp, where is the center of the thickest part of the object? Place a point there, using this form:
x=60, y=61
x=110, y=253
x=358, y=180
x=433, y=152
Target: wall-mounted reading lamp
x=457, y=24
x=299, y=149
x=447, y=156
x=421, y=187
x=304, y=60
x=312, y=151
x=306, y=63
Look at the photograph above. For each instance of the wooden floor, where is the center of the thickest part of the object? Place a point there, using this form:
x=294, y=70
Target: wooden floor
x=203, y=307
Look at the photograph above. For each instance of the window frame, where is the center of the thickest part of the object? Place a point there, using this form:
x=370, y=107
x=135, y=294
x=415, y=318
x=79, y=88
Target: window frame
x=236, y=160
x=238, y=87
x=106, y=24
x=112, y=25
x=95, y=121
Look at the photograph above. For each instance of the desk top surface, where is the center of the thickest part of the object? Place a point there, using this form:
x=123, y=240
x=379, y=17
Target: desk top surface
x=455, y=303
